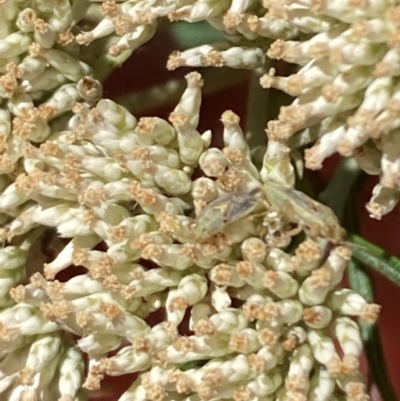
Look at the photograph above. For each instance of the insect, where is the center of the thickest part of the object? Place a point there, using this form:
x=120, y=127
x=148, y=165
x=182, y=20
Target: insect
x=227, y=209
x=316, y=219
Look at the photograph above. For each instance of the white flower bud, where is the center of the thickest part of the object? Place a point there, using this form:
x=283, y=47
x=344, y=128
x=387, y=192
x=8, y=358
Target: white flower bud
x=322, y=386
x=350, y=303
x=155, y=129
x=228, y=321
x=132, y=40
x=71, y=372
x=317, y=317
x=282, y=284
x=104, y=28
x=315, y=288
x=63, y=62
x=200, y=10
x=116, y=115
x=382, y=202
x=265, y=384
x=349, y=337
x=200, y=311
x=99, y=343
x=12, y=198
x=173, y=181
x=159, y=337
x=155, y=280
x=280, y=261
x=31, y=67
x=63, y=99
x=44, y=34
x=254, y=250
x=233, y=134
x=26, y=19
x=245, y=341
x=323, y=348
x=190, y=101
x=14, y=44
x=62, y=16
x=300, y=366
x=30, y=321
x=271, y=355
x=47, y=80
x=191, y=289
x=90, y=89
x=326, y=145
x=213, y=162
x=127, y=360
x=226, y=275
x=290, y=311
x=204, y=347
x=194, y=57
x=65, y=257
x=189, y=139
x=220, y=298
x=12, y=257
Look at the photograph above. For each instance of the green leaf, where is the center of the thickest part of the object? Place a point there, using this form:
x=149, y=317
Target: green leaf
x=187, y=35
x=375, y=257
x=361, y=283
x=192, y=365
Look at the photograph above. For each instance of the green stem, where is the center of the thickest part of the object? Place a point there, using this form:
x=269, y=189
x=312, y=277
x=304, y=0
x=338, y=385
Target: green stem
x=336, y=194
x=361, y=283
x=375, y=257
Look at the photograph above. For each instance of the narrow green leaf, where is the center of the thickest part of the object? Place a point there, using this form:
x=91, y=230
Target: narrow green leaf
x=192, y=365
x=375, y=257
x=361, y=283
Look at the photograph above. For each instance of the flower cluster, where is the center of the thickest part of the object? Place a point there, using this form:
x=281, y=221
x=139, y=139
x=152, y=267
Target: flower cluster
x=140, y=209
x=345, y=91
x=260, y=319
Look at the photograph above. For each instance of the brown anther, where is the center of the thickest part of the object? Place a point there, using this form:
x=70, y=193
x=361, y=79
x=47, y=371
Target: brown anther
x=290, y=343
x=245, y=268
x=80, y=256
x=110, y=310
x=256, y=363
x=268, y=337
x=112, y=284
x=214, y=58
x=239, y=342
x=18, y=293
x=178, y=303
x=222, y=274
x=204, y=327
x=321, y=277
x=185, y=344
x=230, y=180
x=234, y=156
x=370, y=313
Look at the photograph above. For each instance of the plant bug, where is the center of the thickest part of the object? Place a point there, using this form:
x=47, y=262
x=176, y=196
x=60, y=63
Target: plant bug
x=316, y=219
x=227, y=209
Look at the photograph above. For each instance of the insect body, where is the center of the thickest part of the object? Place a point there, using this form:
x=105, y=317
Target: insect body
x=227, y=209
x=316, y=219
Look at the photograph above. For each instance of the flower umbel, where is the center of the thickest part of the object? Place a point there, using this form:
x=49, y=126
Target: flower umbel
x=109, y=179
x=144, y=217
